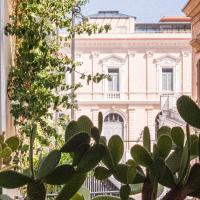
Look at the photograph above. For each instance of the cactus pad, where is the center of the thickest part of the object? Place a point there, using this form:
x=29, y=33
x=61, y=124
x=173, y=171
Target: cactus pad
x=189, y=111
x=49, y=163
x=11, y=179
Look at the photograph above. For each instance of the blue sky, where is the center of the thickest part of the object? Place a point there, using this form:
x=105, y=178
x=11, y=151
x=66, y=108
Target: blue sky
x=144, y=10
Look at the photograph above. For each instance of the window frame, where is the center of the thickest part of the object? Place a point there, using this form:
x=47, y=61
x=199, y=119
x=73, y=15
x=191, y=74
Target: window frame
x=172, y=81
x=118, y=80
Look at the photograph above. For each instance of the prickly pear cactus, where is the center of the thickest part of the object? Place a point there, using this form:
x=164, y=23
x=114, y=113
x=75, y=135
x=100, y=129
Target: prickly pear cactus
x=7, y=148
x=86, y=156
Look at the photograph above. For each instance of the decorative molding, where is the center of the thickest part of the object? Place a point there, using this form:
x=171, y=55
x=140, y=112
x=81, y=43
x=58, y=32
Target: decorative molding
x=167, y=60
x=112, y=59
x=94, y=55
x=131, y=53
x=185, y=53
x=149, y=54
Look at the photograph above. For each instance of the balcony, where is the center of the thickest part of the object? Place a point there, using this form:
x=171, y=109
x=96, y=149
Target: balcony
x=113, y=96
x=170, y=115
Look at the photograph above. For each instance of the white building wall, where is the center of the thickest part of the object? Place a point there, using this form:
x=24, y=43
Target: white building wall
x=140, y=59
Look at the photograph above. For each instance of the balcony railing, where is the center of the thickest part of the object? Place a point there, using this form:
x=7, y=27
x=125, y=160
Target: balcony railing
x=169, y=109
x=113, y=95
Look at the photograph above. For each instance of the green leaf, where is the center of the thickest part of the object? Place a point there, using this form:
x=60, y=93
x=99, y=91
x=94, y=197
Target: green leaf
x=131, y=173
x=131, y=163
x=79, y=152
x=108, y=160
x=60, y=175
x=75, y=141
x=141, y=156
x=95, y=134
x=194, y=177
x=178, y=136
x=164, y=146
x=165, y=130
x=71, y=187
x=100, y=122
x=36, y=190
x=11, y=179
x=103, y=140
x=77, y=196
x=102, y=173
x=85, y=124
x=116, y=148
x=125, y=192
x=5, y=152
x=189, y=111
x=139, y=177
x=49, y=163
x=174, y=160
x=184, y=164
x=13, y=142
x=147, y=139
x=194, y=151
x=121, y=172
x=163, y=173
x=91, y=158
x=71, y=129
x=7, y=160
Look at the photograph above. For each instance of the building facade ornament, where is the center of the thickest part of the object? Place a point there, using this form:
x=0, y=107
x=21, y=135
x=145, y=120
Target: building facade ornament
x=94, y=55
x=112, y=59
x=167, y=60
x=149, y=54
x=185, y=53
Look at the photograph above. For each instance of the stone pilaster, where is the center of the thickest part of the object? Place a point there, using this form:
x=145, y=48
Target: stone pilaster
x=150, y=73
x=131, y=65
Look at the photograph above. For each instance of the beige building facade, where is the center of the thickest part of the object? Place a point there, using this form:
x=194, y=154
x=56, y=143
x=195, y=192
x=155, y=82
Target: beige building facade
x=192, y=10
x=147, y=63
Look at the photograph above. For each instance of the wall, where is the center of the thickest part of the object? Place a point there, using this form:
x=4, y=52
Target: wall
x=140, y=58
x=192, y=9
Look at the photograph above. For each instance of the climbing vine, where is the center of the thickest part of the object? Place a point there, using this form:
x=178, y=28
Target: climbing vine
x=37, y=86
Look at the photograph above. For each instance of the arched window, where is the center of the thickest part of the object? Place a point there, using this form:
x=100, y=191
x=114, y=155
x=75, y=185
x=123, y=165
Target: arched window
x=113, y=125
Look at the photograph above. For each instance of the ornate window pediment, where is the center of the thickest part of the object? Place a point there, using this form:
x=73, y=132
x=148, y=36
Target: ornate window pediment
x=167, y=60
x=112, y=60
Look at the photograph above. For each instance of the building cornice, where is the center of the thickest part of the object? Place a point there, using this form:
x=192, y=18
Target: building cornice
x=120, y=102
x=132, y=45
x=191, y=8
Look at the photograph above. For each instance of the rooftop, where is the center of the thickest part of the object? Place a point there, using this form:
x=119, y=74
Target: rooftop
x=175, y=19
x=110, y=15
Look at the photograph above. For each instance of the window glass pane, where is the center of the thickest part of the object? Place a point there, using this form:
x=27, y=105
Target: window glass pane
x=164, y=82
x=113, y=85
x=167, y=79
